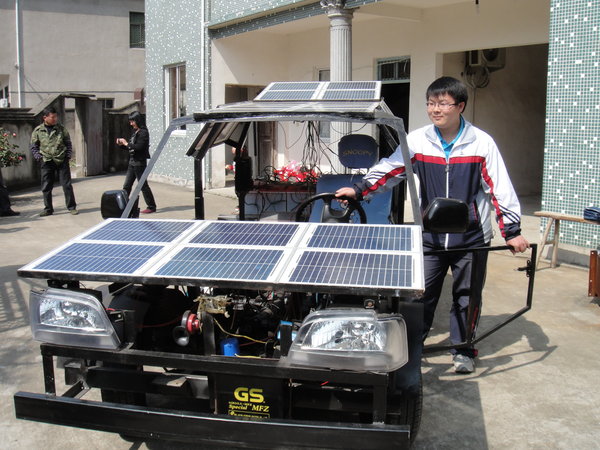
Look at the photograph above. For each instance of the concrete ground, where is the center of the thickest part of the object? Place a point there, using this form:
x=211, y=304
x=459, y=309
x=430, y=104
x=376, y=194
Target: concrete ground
x=535, y=386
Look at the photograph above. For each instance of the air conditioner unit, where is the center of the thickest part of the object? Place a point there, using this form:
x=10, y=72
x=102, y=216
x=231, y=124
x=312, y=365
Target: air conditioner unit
x=492, y=58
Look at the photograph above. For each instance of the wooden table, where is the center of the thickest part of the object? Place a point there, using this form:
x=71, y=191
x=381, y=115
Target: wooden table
x=555, y=218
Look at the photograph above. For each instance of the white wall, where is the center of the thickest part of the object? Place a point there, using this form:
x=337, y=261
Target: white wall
x=261, y=57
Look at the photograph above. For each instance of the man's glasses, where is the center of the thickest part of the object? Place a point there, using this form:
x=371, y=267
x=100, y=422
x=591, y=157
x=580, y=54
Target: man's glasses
x=444, y=106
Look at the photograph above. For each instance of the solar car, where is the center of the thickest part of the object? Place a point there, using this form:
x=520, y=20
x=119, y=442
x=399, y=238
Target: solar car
x=271, y=328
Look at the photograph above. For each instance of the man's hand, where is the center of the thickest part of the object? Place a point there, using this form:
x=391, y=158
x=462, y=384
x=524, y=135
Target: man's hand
x=518, y=244
x=346, y=192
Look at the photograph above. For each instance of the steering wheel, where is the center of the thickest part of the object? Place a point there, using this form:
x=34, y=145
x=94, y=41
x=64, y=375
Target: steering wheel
x=329, y=214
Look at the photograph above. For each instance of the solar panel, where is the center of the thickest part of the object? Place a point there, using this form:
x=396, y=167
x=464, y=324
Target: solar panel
x=139, y=231
x=246, y=233
x=325, y=90
x=365, y=237
x=261, y=255
x=371, y=85
x=353, y=269
x=100, y=258
x=222, y=264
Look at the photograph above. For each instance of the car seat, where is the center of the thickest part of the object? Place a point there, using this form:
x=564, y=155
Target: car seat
x=355, y=151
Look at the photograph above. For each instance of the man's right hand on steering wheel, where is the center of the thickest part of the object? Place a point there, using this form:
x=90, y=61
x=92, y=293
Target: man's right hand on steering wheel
x=346, y=192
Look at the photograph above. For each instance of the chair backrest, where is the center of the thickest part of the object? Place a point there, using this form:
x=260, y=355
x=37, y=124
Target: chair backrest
x=355, y=151
x=358, y=151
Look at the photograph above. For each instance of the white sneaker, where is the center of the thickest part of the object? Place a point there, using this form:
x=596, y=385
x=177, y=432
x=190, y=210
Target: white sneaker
x=463, y=364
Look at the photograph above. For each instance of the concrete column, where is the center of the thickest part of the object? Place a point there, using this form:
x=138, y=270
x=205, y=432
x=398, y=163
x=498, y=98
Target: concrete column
x=340, y=59
x=340, y=26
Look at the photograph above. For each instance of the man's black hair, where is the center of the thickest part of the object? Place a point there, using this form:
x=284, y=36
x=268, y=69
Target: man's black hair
x=448, y=85
x=138, y=118
x=49, y=110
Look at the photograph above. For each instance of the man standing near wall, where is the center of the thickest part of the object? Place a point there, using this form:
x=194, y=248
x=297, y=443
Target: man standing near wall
x=51, y=145
x=453, y=159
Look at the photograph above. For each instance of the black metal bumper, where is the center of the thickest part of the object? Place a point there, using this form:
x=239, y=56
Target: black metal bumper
x=146, y=422
x=151, y=422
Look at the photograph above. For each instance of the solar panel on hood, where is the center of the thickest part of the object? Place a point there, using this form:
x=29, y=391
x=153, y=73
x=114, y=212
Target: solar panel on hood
x=295, y=256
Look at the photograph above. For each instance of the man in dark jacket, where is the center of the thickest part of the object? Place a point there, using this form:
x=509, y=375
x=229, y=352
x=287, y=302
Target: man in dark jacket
x=138, y=147
x=51, y=145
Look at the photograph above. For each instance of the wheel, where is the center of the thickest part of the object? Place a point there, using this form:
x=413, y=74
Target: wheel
x=123, y=397
x=409, y=410
x=331, y=215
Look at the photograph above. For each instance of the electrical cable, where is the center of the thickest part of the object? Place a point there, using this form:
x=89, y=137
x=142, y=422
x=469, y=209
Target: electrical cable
x=238, y=335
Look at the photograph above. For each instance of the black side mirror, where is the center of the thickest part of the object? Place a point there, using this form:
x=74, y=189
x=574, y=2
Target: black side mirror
x=446, y=215
x=113, y=204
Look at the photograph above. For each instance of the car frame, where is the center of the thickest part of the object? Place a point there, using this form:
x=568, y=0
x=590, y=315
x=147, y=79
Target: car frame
x=383, y=407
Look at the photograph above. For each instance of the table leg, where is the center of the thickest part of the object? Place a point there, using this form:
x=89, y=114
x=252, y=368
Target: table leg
x=544, y=241
x=555, y=243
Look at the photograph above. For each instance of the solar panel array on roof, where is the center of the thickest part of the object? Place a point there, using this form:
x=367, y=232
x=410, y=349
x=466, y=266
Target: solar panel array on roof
x=300, y=256
x=324, y=90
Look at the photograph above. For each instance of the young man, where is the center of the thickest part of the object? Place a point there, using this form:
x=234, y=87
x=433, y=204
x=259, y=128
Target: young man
x=453, y=159
x=51, y=145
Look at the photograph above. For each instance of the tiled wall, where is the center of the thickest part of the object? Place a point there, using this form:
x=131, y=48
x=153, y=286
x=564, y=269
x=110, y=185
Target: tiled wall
x=225, y=10
x=572, y=148
x=173, y=36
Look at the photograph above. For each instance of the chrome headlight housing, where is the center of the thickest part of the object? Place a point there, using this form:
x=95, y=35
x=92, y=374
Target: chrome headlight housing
x=350, y=340
x=63, y=317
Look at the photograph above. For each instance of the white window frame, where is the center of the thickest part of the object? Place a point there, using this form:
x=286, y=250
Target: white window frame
x=181, y=97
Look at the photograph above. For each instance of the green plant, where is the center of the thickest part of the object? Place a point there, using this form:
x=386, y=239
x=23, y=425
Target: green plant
x=8, y=155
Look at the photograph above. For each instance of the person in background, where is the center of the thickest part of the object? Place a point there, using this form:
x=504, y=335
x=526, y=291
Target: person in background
x=51, y=145
x=138, y=147
x=453, y=159
x=5, y=209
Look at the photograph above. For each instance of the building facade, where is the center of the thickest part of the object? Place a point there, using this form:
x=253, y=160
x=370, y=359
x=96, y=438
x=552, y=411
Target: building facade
x=51, y=47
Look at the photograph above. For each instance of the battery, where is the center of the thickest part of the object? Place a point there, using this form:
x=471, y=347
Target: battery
x=251, y=397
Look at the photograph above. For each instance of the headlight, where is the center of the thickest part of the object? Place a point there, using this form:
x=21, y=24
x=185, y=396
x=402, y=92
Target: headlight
x=63, y=317
x=350, y=340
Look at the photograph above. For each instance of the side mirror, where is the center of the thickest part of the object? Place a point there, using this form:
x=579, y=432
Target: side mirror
x=446, y=215
x=113, y=204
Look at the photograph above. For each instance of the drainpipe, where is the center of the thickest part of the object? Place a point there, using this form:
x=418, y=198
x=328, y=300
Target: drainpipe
x=18, y=34
x=207, y=160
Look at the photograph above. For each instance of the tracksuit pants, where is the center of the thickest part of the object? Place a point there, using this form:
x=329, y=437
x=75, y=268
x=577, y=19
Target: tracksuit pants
x=461, y=265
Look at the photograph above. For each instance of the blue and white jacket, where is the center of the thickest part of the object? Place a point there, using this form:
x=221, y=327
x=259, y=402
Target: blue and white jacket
x=474, y=173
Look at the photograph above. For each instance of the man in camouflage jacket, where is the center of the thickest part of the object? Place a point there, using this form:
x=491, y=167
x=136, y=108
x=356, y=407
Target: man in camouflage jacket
x=51, y=145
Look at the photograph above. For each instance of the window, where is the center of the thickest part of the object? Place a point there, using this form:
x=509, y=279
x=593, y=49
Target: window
x=394, y=69
x=4, y=103
x=175, y=90
x=137, y=30
x=107, y=103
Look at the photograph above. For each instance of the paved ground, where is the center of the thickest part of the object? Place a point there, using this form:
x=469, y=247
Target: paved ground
x=536, y=380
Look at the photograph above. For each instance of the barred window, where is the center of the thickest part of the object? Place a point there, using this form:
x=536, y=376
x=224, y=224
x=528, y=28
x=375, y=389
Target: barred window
x=137, y=30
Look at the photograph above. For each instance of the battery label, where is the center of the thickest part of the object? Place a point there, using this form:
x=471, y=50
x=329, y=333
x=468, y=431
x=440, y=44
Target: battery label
x=250, y=397
x=248, y=403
